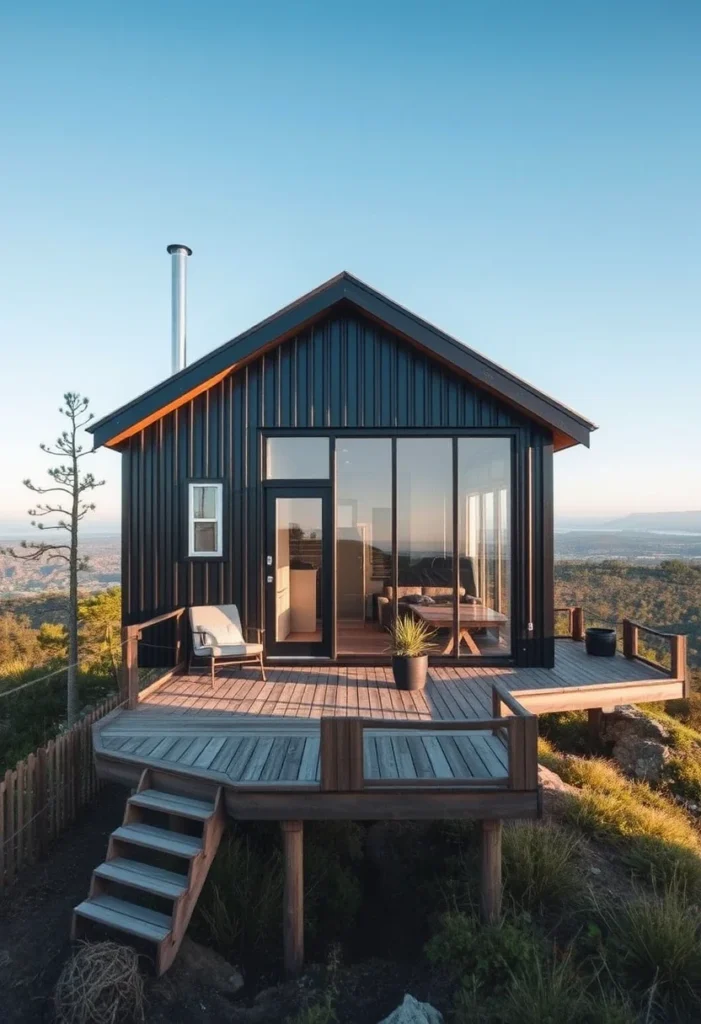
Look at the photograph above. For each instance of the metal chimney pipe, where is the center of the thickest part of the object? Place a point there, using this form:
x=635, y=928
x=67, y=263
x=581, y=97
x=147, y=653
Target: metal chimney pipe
x=179, y=254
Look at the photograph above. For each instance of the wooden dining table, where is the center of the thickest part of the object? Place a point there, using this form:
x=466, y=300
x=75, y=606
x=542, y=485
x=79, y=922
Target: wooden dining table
x=472, y=616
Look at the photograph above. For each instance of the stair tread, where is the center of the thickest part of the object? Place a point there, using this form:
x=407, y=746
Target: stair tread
x=126, y=917
x=143, y=876
x=159, y=839
x=170, y=803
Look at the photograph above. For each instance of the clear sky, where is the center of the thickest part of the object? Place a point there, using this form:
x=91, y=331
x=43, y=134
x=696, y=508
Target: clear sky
x=526, y=175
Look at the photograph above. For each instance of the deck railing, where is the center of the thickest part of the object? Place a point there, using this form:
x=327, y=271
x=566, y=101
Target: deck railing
x=131, y=635
x=673, y=660
x=342, y=751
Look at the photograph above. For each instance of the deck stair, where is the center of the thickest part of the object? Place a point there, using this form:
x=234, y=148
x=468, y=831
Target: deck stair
x=131, y=878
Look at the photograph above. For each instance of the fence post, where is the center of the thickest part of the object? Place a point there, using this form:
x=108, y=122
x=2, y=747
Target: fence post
x=41, y=804
x=577, y=623
x=630, y=639
x=129, y=690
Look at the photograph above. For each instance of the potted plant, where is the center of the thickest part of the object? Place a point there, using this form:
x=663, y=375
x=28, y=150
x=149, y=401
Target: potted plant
x=410, y=642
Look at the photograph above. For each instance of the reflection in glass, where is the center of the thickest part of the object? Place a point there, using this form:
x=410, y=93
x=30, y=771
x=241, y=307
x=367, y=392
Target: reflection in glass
x=484, y=531
x=298, y=564
x=363, y=541
x=298, y=458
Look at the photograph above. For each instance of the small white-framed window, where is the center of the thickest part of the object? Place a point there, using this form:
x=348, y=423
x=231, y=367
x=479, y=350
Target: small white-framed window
x=205, y=520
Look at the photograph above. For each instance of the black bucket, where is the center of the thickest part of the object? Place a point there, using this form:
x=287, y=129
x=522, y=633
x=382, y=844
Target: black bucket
x=600, y=642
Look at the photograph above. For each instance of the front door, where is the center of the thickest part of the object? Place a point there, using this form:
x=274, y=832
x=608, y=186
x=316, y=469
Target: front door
x=299, y=600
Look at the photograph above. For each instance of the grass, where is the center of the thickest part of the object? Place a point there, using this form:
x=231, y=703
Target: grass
x=654, y=943
x=654, y=837
x=540, y=870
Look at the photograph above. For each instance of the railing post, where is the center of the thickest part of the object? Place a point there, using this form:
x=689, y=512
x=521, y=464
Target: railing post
x=129, y=690
x=630, y=639
x=341, y=755
x=678, y=664
x=577, y=623
x=515, y=727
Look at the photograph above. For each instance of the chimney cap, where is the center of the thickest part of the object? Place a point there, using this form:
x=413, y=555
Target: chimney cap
x=177, y=247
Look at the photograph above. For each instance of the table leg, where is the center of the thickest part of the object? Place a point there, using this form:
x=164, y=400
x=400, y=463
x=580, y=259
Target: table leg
x=469, y=642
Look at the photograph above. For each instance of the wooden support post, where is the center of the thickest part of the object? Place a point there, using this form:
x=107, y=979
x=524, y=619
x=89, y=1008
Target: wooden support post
x=630, y=639
x=678, y=667
x=594, y=720
x=130, y=666
x=577, y=623
x=490, y=897
x=293, y=897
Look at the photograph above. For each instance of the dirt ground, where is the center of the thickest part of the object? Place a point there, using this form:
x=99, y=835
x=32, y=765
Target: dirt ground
x=35, y=913
x=35, y=916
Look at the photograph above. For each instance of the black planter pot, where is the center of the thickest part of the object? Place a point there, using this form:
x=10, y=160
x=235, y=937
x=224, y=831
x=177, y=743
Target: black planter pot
x=410, y=673
x=600, y=642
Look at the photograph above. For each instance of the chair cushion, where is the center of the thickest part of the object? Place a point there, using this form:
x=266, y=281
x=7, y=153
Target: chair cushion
x=218, y=625
x=228, y=650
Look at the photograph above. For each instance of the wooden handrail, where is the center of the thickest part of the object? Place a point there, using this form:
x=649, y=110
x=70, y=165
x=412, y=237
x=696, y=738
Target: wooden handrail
x=677, y=650
x=129, y=683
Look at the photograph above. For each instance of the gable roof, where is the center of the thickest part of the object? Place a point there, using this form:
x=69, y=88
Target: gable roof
x=568, y=427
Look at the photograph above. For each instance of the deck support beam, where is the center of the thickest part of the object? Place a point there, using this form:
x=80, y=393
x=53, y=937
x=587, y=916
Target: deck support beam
x=594, y=720
x=293, y=896
x=490, y=896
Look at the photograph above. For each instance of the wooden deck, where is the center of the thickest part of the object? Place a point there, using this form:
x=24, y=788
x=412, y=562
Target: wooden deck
x=577, y=681
x=247, y=734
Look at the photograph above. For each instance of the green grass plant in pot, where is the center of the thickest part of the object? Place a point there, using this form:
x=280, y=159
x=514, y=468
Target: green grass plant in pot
x=410, y=642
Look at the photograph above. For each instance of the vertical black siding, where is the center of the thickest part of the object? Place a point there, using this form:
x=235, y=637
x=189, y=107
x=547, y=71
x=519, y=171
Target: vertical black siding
x=344, y=372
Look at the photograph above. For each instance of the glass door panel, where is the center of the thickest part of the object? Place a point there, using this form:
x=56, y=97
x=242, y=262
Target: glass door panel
x=297, y=573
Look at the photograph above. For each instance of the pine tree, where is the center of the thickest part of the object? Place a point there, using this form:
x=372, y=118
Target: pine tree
x=66, y=480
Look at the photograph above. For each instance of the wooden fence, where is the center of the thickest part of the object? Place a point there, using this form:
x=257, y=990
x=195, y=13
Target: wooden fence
x=45, y=792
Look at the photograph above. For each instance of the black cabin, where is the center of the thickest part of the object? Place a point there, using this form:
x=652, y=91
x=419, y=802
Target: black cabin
x=337, y=464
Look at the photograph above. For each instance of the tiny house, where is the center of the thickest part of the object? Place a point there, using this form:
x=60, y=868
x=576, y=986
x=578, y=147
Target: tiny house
x=335, y=463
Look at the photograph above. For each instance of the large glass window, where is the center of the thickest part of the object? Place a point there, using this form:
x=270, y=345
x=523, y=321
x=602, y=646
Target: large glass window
x=297, y=458
x=484, y=531
x=425, y=533
x=363, y=542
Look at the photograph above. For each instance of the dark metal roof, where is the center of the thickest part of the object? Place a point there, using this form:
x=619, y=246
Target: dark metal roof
x=569, y=426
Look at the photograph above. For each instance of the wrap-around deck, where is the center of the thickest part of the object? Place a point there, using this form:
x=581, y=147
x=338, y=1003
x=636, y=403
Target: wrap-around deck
x=261, y=738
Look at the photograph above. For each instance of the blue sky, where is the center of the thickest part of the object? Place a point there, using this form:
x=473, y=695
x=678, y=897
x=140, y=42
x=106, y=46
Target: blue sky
x=524, y=175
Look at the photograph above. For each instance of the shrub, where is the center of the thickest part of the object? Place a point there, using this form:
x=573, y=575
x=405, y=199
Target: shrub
x=333, y=853
x=539, y=866
x=486, y=955
x=240, y=909
x=547, y=992
x=654, y=940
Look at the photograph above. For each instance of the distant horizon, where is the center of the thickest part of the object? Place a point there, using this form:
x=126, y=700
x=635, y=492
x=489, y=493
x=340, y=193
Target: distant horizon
x=15, y=529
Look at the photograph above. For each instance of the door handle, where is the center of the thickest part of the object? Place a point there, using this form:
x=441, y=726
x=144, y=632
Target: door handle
x=269, y=579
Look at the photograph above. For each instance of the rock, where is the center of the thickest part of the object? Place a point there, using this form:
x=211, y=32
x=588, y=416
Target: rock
x=413, y=1012
x=555, y=791
x=639, y=743
x=640, y=758
x=625, y=720
x=209, y=968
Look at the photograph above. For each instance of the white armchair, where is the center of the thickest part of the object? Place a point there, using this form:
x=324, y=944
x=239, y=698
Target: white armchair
x=217, y=635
